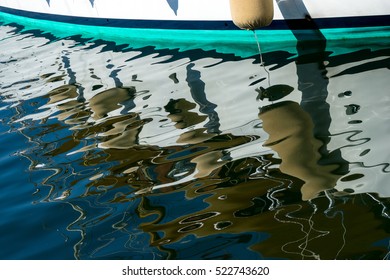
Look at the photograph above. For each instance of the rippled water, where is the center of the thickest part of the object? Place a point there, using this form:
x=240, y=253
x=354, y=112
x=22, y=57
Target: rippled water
x=109, y=152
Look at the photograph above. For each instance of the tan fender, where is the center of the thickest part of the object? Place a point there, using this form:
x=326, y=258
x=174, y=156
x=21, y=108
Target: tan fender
x=252, y=14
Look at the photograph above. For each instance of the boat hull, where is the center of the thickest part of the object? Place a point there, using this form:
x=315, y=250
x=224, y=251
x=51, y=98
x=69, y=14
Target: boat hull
x=199, y=24
x=199, y=14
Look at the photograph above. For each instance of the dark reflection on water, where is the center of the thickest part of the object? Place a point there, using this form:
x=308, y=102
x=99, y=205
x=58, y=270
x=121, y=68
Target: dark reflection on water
x=160, y=155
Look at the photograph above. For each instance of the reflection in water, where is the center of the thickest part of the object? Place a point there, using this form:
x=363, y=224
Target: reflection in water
x=165, y=155
x=290, y=132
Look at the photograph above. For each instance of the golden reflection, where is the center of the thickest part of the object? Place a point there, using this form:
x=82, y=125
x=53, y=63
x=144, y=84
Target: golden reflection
x=208, y=162
x=182, y=116
x=280, y=198
x=293, y=229
x=88, y=143
x=62, y=93
x=290, y=131
x=109, y=100
x=226, y=206
x=268, y=203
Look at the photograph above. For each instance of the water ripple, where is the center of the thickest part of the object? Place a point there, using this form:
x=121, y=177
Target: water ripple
x=169, y=155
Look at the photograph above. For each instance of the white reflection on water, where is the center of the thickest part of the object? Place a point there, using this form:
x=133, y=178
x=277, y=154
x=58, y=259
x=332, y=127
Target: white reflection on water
x=121, y=125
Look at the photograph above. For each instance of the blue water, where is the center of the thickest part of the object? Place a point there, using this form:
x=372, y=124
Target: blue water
x=114, y=152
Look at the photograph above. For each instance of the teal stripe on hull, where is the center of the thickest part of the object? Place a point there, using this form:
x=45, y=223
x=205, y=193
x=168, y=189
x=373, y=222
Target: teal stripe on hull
x=238, y=42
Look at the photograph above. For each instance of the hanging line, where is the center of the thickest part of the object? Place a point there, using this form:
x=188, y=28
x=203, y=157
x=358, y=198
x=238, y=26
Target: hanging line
x=261, y=57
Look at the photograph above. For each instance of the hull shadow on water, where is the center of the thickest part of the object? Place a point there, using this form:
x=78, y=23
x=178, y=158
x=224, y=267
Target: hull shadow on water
x=171, y=155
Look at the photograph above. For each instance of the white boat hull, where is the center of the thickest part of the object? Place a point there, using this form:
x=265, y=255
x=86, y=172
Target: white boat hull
x=200, y=24
x=199, y=14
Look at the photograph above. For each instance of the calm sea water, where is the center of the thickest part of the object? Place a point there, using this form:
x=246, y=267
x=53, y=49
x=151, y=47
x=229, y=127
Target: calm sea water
x=110, y=152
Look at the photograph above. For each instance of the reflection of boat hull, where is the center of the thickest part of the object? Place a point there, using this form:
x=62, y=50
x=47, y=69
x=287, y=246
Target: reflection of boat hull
x=183, y=129
x=194, y=23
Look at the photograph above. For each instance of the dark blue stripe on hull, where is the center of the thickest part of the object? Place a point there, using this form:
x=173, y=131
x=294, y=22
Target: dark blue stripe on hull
x=308, y=23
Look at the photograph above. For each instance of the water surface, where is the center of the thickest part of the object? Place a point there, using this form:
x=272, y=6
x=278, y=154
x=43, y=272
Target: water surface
x=112, y=152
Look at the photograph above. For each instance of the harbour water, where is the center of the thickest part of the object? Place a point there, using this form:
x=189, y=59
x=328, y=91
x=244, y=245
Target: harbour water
x=114, y=152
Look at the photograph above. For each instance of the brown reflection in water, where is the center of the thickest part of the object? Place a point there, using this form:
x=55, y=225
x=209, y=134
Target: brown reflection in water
x=290, y=131
x=182, y=117
x=240, y=196
x=109, y=100
x=239, y=201
x=271, y=204
x=119, y=132
x=137, y=166
x=208, y=162
x=93, y=127
x=347, y=230
x=232, y=202
x=62, y=93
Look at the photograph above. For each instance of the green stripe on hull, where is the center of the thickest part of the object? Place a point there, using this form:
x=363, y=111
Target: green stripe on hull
x=238, y=42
